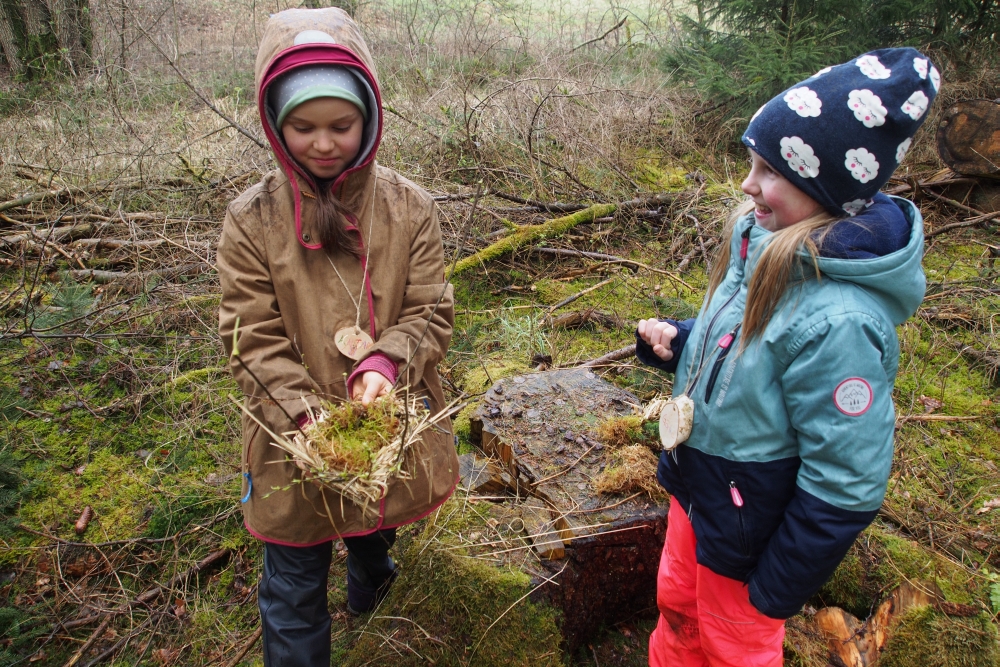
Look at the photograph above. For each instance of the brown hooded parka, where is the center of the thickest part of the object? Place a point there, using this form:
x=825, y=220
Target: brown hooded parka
x=289, y=301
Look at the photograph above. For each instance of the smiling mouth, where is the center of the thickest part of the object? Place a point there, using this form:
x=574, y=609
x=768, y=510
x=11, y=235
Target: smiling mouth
x=761, y=211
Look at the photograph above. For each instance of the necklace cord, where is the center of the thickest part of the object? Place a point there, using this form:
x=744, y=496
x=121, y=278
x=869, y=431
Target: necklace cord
x=368, y=249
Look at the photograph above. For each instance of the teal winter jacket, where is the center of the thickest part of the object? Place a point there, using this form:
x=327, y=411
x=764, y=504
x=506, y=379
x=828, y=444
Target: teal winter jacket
x=792, y=442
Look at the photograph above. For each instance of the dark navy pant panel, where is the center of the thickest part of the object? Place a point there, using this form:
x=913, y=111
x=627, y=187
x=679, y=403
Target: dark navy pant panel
x=644, y=351
x=292, y=601
x=803, y=553
x=292, y=596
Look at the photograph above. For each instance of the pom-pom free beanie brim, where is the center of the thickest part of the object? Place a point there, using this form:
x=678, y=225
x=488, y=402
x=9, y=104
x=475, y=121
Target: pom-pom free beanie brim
x=312, y=82
x=839, y=135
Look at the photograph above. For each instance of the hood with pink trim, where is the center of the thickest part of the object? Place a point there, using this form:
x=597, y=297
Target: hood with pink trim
x=301, y=37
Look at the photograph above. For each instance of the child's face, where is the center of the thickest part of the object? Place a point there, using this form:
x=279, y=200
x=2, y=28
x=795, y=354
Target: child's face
x=324, y=135
x=779, y=203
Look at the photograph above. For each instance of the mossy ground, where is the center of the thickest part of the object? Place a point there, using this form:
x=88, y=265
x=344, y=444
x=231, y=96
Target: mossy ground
x=114, y=396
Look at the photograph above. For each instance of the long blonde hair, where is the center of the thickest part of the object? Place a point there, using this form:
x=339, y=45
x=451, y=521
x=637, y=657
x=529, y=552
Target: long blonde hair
x=775, y=268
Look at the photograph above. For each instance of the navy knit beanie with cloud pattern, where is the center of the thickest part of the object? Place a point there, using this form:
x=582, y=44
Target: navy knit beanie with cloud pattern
x=840, y=134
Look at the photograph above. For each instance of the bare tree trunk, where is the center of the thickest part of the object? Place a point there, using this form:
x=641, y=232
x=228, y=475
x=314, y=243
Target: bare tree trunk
x=9, y=42
x=30, y=30
x=67, y=25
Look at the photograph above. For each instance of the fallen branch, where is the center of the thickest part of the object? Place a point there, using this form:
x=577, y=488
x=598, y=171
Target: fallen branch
x=115, y=244
x=552, y=207
x=979, y=218
x=55, y=234
x=939, y=418
x=529, y=233
x=923, y=185
x=570, y=299
x=610, y=357
x=148, y=596
x=28, y=199
x=246, y=648
x=612, y=259
x=100, y=276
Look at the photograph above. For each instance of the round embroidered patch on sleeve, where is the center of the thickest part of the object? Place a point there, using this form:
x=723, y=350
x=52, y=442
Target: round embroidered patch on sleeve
x=853, y=397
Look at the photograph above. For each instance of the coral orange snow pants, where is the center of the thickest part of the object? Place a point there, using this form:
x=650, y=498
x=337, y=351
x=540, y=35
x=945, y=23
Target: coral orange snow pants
x=706, y=620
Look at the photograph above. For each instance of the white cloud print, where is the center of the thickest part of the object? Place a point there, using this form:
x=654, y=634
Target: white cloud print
x=916, y=105
x=920, y=64
x=862, y=164
x=902, y=148
x=872, y=68
x=935, y=78
x=803, y=101
x=867, y=107
x=800, y=157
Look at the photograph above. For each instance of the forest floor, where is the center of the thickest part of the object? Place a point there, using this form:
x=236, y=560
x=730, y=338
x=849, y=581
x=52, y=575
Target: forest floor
x=114, y=388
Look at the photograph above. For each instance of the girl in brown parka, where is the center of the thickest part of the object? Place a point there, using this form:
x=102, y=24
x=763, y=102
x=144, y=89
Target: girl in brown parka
x=334, y=269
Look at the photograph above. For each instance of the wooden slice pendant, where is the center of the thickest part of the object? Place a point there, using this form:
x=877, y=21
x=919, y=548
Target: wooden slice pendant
x=353, y=342
x=676, y=419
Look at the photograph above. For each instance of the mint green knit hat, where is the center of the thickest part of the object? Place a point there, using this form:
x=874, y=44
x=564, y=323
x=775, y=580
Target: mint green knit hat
x=308, y=83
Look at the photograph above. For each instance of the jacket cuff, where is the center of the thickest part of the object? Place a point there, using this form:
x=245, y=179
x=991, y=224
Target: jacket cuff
x=378, y=362
x=644, y=351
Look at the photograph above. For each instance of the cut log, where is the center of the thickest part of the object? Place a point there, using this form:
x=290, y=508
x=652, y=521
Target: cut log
x=542, y=427
x=856, y=644
x=483, y=477
x=968, y=138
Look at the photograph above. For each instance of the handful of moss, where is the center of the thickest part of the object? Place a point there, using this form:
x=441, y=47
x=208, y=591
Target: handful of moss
x=357, y=451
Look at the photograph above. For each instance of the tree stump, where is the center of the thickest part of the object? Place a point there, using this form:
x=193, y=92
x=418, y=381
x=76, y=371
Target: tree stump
x=858, y=644
x=602, y=550
x=968, y=138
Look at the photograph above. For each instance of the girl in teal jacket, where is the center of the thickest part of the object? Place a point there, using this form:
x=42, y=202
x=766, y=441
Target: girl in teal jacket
x=790, y=364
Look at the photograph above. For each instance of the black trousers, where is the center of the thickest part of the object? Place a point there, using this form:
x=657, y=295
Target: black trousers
x=293, y=592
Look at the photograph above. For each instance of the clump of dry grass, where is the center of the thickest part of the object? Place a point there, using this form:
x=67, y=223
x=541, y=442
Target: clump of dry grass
x=631, y=469
x=620, y=432
x=356, y=451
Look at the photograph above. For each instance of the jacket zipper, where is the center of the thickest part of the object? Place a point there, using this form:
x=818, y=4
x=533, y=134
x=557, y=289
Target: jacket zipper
x=708, y=333
x=745, y=242
x=734, y=493
x=726, y=343
x=744, y=245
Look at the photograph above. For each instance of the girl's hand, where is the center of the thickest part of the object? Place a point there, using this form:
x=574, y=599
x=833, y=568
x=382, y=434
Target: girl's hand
x=368, y=386
x=658, y=335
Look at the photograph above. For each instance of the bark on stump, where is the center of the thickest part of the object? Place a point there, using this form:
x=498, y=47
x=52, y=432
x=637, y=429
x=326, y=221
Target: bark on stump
x=968, y=138
x=542, y=427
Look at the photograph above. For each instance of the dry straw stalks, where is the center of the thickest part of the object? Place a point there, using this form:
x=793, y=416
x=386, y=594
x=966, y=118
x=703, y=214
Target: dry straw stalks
x=355, y=451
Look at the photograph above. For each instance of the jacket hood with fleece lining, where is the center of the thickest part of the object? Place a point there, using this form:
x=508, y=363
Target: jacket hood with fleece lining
x=297, y=38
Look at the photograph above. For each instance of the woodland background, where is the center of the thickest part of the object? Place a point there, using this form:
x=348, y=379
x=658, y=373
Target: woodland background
x=126, y=126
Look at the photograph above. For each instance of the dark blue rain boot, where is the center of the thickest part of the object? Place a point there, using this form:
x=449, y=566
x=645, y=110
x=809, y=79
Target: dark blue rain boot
x=370, y=570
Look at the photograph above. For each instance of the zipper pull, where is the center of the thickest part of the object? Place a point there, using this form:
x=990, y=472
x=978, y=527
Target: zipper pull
x=745, y=244
x=735, y=493
x=728, y=339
